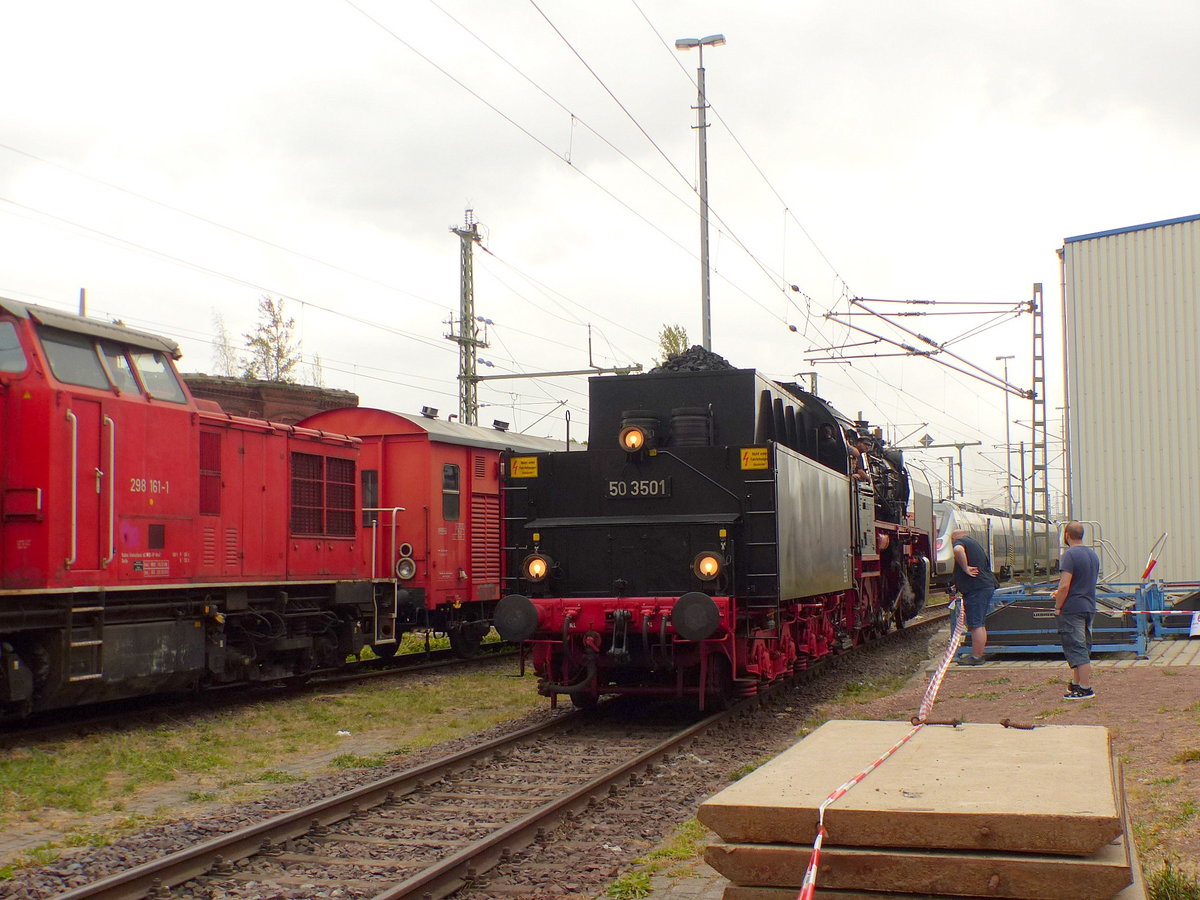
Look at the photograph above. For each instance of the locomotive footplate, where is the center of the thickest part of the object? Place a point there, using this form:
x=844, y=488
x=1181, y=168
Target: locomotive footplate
x=1022, y=620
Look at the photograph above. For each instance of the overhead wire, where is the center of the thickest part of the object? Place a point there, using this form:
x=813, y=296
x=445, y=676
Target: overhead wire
x=214, y=223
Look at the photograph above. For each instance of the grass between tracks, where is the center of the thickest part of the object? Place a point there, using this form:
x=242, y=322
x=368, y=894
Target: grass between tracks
x=91, y=789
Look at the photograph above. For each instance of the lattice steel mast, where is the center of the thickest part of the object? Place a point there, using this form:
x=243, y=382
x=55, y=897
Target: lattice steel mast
x=467, y=336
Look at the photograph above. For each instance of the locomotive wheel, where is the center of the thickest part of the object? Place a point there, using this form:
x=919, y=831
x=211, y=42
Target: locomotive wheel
x=584, y=700
x=385, y=651
x=718, y=684
x=466, y=638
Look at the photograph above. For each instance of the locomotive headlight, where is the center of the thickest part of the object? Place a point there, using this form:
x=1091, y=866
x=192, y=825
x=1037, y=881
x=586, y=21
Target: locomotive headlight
x=536, y=567
x=707, y=566
x=632, y=438
x=405, y=568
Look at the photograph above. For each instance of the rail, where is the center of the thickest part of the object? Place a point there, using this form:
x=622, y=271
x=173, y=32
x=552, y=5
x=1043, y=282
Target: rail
x=486, y=790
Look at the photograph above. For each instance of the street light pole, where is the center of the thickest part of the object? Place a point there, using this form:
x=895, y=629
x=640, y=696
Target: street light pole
x=713, y=40
x=1008, y=497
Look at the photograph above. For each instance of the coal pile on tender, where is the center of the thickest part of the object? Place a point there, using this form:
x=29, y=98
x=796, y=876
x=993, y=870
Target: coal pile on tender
x=973, y=811
x=694, y=359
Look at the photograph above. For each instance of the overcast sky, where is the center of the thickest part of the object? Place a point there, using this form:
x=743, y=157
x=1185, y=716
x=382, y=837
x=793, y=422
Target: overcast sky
x=180, y=161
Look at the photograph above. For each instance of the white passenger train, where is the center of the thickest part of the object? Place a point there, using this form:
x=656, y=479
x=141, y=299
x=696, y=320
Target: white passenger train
x=1004, y=538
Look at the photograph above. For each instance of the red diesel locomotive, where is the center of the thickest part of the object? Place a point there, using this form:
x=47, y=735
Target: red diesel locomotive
x=151, y=542
x=713, y=538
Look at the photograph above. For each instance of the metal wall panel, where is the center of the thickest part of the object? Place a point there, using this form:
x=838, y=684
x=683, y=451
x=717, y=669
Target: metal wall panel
x=813, y=511
x=1132, y=332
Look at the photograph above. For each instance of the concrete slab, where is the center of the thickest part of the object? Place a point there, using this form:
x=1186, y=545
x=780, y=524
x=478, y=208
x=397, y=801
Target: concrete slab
x=945, y=873
x=1135, y=891
x=975, y=787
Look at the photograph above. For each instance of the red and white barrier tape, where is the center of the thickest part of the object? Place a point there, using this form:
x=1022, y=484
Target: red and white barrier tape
x=935, y=682
x=808, y=886
x=1152, y=559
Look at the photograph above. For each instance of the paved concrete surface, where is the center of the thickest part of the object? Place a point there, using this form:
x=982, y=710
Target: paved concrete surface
x=703, y=883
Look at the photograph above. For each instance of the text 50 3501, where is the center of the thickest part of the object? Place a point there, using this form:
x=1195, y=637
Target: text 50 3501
x=638, y=487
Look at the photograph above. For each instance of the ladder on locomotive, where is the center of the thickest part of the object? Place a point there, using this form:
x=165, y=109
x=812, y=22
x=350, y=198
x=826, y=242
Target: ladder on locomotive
x=762, y=546
x=85, y=643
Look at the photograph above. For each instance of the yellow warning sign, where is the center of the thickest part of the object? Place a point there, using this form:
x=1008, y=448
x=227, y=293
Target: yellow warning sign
x=755, y=458
x=523, y=467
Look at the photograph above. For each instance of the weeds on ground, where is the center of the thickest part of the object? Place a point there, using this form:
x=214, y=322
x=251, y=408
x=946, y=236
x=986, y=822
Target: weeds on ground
x=868, y=689
x=277, y=776
x=353, y=761
x=1049, y=713
x=87, y=838
x=742, y=771
x=1186, y=756
x=1169, y=882
x=630, y=886
x=1184, y=814
x=686, y=844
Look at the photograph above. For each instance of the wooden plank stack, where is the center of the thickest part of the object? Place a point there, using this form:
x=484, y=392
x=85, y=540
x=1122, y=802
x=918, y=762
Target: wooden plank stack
x=967, y=811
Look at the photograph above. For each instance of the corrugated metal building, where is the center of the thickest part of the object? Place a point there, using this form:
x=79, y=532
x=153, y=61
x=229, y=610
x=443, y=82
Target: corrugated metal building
x=1132, y=326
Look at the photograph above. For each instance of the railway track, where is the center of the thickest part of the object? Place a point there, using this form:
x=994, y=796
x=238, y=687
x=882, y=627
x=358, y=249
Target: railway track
x=432, y=830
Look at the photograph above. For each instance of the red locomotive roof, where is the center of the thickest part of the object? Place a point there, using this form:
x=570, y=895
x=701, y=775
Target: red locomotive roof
x=220, y=417
x=362, y=420
x=66, y=321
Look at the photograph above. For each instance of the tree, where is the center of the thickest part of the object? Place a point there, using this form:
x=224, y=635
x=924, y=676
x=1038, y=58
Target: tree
x=272, y=354
x=225, y=358
x=672, y=341
x=317, y=371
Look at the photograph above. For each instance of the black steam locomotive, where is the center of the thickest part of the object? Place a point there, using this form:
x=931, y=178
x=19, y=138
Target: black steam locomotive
x=719, y=532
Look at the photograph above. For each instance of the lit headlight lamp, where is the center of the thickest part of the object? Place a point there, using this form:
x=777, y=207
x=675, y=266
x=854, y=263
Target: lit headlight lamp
x=708, y=565
x=632, y=438
x=536, y=567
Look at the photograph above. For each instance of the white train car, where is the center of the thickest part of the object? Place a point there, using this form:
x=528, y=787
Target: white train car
x=1005, y=539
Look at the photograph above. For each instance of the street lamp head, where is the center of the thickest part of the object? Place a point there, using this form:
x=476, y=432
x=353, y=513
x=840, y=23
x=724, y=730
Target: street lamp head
x=713, y=40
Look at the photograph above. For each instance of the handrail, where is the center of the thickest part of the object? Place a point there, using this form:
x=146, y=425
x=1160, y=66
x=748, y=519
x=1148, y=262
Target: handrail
x=112, y=491
x=395, y=511
x=74, y=487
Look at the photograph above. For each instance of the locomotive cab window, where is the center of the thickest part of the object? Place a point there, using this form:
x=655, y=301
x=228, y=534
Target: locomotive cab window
x=451, y=494
x=119, y=369
x=157, y=376
x=370, y=496
x=12, y=357
x=73, y=359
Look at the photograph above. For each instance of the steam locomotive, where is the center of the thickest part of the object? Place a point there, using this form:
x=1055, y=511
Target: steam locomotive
x=718, y=533
x=150, y=541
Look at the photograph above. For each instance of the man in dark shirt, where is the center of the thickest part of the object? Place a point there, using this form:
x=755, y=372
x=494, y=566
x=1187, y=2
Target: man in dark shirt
x=973, y=578
x=1074, y=607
